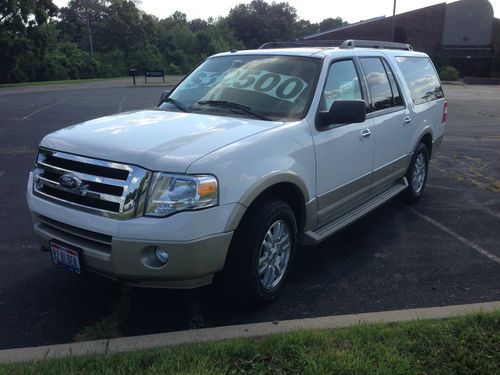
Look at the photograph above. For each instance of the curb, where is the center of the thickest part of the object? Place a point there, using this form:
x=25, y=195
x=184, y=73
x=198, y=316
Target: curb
x=126, y=344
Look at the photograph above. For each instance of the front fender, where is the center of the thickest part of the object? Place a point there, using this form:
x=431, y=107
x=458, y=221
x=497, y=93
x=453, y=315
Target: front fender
x=248, y=167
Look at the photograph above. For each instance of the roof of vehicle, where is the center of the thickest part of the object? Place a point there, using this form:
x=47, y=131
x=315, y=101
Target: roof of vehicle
x=319, y=52
x=300, y=51
x=322, y=48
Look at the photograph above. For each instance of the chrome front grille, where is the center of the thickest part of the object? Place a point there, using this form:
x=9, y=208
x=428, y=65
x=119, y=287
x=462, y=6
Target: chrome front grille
x=106, y=188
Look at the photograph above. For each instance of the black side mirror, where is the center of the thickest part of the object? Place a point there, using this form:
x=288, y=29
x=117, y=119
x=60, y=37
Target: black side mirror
x=164, y=95
x=343, y=112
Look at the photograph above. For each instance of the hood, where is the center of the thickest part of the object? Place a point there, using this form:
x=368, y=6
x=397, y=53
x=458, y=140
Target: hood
x=154, y=139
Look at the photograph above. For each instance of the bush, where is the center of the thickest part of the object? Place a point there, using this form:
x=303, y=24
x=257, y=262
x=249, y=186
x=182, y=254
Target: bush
x=173, y=69
x=145, y=57
x=51, y=69
x=448, y=73
x=111, y=64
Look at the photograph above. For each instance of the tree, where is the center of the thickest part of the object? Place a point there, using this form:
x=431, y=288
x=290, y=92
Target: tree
x=80, y=17
x=20, y=47
x=330, y=24
x=302, y=28
x=185, y=44
x=102, y=38
x=125, y=27
x=14, y=15
x=259, y=22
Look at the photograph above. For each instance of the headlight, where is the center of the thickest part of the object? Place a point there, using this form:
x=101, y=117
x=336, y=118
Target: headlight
x=171, y=193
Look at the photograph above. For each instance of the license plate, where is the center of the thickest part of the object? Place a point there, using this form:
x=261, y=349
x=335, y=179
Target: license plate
x=66, y=257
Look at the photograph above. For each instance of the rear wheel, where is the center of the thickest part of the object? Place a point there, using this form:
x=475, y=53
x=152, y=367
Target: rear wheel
x=262, y=251
x=417, y=173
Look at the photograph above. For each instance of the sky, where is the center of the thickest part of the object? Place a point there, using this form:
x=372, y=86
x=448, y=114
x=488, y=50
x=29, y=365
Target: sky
x=312, y=10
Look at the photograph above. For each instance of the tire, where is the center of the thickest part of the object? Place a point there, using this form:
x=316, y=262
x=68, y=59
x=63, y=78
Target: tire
x=417, y=174
x=265, y=241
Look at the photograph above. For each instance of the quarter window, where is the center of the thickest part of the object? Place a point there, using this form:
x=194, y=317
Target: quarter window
x=421, y=78
x=342, y=83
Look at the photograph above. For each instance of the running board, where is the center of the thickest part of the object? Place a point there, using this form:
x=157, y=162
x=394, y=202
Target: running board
x=317, y=235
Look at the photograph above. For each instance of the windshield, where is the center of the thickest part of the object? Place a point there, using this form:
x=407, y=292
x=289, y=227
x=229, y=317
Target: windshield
x=269, y=87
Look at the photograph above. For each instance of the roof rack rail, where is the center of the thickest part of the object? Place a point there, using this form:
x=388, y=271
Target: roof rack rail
x=349, y=43
x=302, y=43
x=353, y=43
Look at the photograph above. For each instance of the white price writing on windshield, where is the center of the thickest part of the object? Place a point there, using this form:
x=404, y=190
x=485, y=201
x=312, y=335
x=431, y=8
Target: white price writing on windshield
x=280, y=86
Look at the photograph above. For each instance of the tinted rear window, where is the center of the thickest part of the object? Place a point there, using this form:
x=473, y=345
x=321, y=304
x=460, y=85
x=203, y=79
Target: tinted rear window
x=421, y=77
x=378, y=83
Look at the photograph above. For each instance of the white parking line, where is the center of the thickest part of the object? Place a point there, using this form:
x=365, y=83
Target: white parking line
x=121, y=105
x=469, y=198
x=444, y=187
x=1, y=173
x=43, y=108
x=464, y=240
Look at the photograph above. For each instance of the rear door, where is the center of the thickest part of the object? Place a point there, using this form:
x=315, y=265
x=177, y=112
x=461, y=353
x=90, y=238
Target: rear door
x=343, y=155
x=392, y=122
x=426, y=97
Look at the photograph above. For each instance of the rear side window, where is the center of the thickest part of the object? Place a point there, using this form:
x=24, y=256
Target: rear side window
x=421, y=78
x=398, y=100
x=384, y=95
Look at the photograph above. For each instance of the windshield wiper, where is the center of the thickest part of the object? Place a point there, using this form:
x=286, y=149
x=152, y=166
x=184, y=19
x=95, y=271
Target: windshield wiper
x=235, y=106
x=177, y=103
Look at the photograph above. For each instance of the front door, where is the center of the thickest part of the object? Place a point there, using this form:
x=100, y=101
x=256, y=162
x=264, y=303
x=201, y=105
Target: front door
x=344, y=153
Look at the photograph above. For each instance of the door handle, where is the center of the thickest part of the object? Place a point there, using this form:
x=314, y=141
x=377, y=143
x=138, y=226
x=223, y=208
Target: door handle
x=407, y=120
x=365, y=133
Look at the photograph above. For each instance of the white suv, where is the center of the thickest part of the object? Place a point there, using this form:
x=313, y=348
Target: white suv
x=251, y=154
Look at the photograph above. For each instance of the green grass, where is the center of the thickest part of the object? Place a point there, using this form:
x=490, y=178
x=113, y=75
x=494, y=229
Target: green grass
x=46, y=83
x=465, y=345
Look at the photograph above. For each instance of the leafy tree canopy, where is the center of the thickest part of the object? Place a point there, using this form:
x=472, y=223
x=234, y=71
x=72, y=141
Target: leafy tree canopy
x=102, y=38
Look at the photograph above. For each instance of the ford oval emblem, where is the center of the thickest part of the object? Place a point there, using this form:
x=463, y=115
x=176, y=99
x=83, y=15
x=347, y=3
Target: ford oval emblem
x=70, y=181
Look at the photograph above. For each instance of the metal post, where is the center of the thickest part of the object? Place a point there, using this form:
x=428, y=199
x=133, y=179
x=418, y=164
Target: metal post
x=393, y=21
x=89, y=29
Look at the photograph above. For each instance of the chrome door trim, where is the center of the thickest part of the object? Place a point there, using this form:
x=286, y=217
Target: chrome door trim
x=391, y=171
x=346, y=197
x=336, y=201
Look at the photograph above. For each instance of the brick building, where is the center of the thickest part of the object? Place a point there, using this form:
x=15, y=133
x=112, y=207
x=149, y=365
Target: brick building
x=464, y=34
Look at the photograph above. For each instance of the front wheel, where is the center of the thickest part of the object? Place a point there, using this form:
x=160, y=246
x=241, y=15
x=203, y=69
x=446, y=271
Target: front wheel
x=262, y=251
x=417, y=173
x=274, y=254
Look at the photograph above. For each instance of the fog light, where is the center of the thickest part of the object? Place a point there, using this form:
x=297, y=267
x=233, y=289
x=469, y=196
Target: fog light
x=161, y=255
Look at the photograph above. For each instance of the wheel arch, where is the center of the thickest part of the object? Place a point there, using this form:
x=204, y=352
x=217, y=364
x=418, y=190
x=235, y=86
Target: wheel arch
x=288, y=187
x=427, y=139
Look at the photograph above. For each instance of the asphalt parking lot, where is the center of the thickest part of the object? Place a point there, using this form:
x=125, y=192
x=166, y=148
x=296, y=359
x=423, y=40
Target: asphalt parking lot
x=444, y=250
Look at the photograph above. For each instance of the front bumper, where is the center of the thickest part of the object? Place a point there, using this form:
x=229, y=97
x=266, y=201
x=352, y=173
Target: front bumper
x=197, y=242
